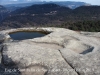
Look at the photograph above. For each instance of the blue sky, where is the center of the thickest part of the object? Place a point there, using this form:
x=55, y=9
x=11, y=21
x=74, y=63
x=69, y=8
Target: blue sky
x=93, y=2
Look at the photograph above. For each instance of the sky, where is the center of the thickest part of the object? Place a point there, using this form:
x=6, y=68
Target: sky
x=93, y=2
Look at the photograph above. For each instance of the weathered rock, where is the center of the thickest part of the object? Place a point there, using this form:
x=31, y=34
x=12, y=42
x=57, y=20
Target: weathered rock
x=77, y=46
x=2, y=37
x=84, y=65
x=25, y=54
x=87, y=64
x=34, y=70
x=62, y=52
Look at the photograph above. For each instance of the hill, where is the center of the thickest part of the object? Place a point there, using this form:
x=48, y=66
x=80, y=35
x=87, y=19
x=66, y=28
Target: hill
x=3, y=12
x=70, y=4
x=2, y=8
x=36, y=15
x=55, y=15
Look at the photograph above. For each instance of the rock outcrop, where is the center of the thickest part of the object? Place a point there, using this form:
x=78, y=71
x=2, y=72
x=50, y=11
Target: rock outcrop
x=62, y=52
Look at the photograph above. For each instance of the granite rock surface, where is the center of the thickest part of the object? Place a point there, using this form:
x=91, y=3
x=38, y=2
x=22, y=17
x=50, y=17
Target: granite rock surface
x=61, y=52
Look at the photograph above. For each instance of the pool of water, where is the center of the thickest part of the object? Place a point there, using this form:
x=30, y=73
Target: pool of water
x=25, y=35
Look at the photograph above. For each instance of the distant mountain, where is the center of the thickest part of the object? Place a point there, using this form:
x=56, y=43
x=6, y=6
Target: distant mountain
x=12, y=8
x=2, y=8
x=3, y=2
x=42, y=9
x=53, y=15
x=90, y=10
x=3, y=12
x=36, y=15
x=72, y=4
x=69, y=4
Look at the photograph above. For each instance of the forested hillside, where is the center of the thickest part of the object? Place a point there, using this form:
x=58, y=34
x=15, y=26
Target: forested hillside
x=86, y=18
x=3, y=12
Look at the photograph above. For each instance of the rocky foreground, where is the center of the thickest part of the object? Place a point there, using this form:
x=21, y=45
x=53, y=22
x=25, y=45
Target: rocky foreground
x=62, y=52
